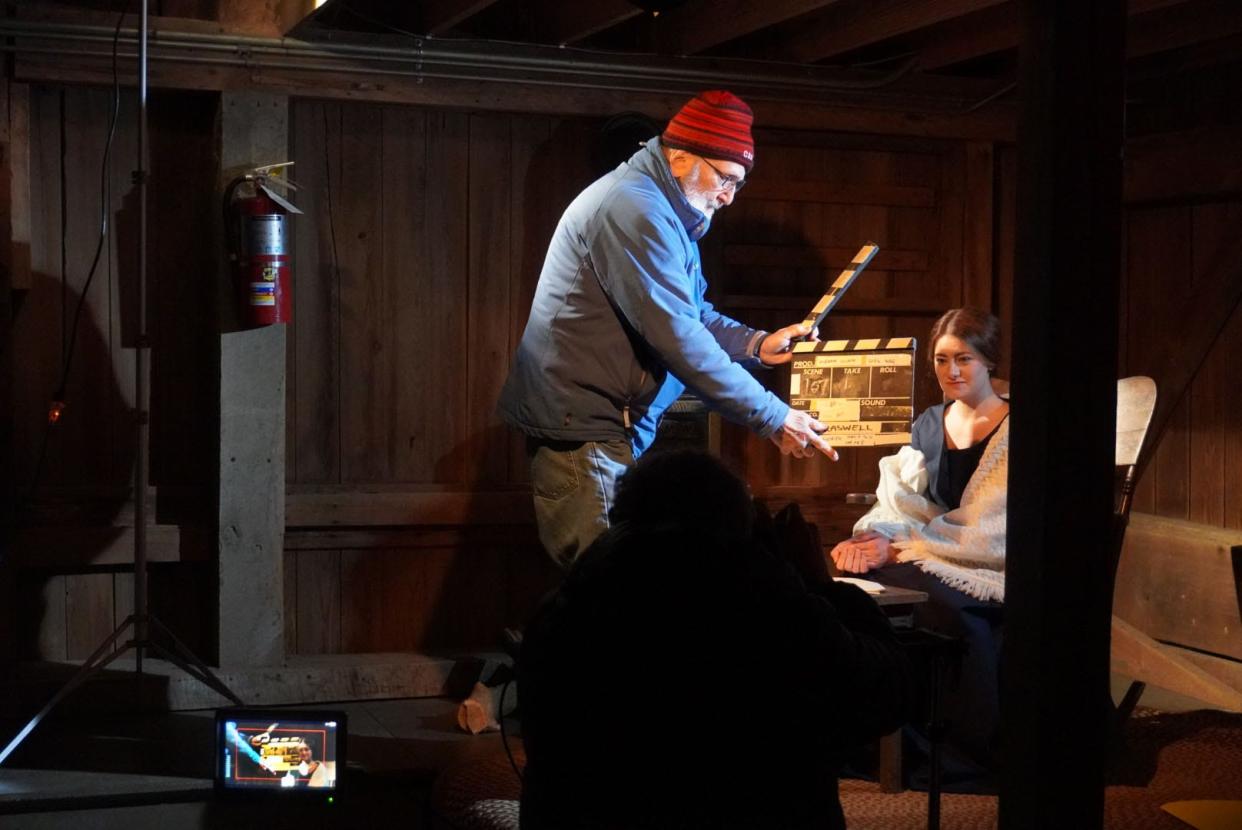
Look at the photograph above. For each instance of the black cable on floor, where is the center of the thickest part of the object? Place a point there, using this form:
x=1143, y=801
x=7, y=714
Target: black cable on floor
x=504, y=736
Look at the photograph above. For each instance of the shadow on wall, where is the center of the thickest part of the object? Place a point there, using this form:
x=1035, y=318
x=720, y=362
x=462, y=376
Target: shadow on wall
x=72, y=478
x=500, y=572
x=72, y=550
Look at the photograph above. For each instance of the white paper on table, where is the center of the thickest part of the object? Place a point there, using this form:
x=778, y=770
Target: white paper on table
x=866, y=584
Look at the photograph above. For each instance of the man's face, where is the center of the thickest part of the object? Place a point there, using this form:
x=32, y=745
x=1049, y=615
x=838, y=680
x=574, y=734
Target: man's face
x=710, y=184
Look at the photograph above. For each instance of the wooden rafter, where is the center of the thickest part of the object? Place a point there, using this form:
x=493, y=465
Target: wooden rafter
x=984, y=33
x=702, y=24
x=1212, y=53
x=853, y=25
x=451, y=74
x=999, y=28
x=272, y=18
x=1170, y=29
x=564, y=23
x=441, y=15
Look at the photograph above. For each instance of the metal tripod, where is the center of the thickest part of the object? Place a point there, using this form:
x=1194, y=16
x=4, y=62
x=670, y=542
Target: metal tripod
x=142, y=622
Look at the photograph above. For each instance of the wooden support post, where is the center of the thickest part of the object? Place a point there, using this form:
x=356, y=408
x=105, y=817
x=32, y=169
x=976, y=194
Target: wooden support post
x=254, y=131
x=8, y=492
x=1055, y=681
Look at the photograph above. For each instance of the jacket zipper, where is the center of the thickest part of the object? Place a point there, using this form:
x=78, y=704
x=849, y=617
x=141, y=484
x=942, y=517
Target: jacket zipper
x=625, y=411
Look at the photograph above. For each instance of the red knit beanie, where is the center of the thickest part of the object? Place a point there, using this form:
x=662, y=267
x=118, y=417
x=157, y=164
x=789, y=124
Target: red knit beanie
x=715, y=124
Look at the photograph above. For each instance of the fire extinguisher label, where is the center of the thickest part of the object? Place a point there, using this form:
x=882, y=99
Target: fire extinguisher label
x=262, y=293
x=265, y=235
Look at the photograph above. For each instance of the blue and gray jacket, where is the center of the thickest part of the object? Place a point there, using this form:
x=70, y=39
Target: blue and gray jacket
x=620, y=325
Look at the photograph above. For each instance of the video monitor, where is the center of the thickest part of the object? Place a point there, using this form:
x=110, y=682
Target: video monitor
x=298, y=753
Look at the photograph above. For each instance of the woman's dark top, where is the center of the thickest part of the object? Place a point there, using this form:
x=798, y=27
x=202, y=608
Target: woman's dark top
x=949, y=470
x=959, y=466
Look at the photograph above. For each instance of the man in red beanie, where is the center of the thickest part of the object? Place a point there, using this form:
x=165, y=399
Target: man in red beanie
x=620, y=325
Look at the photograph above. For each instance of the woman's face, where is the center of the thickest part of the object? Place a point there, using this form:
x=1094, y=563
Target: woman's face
x=962, y=372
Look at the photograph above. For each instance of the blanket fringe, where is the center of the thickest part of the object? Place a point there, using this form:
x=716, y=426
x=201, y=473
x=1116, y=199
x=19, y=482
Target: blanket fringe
x=987, y=586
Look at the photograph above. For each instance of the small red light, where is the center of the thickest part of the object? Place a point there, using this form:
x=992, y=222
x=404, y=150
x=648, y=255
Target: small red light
x=55, y=411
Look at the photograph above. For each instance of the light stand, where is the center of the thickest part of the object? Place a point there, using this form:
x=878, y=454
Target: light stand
x=141, y=620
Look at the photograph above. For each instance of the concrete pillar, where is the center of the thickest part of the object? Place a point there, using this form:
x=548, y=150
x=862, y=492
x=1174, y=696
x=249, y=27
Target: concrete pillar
x=254, y=130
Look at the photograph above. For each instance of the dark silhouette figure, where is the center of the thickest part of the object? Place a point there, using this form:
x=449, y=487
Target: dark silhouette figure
x=685, y=676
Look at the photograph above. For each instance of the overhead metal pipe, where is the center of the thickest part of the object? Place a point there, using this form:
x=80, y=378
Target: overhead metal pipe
x=429, y=57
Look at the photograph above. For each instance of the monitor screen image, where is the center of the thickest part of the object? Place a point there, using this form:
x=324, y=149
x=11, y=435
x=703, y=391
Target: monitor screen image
x=275, y=750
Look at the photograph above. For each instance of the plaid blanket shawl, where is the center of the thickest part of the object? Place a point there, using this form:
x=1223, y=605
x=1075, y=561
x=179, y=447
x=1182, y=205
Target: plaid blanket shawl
x=964, y=547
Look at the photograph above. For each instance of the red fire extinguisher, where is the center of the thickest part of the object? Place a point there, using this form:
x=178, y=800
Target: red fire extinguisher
x=259, y=242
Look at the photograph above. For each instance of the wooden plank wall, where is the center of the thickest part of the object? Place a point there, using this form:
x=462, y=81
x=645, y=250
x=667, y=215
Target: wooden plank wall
x=1197, y=471
x=416, y=263
x=814, y=200
x=404, y=327
x=410, y=527
x=75, y=536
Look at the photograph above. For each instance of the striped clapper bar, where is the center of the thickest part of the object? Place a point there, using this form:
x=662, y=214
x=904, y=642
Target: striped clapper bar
x=863, y=389
x=864, y=256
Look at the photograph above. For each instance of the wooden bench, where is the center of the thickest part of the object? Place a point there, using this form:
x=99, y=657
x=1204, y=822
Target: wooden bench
x=1177, y=620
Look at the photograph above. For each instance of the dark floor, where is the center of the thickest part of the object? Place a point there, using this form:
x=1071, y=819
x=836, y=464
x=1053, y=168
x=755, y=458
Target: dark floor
x=102, y=770
x=156, y=770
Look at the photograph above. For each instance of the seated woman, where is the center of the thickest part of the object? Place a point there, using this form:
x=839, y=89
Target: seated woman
x=939, y=522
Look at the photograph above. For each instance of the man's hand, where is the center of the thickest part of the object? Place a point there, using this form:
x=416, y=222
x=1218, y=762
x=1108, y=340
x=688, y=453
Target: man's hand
x=777, y=347
x=799, y=436
x=866, y=551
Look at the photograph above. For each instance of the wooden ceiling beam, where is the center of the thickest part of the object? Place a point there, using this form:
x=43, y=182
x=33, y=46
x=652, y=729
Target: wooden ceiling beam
x=270, y=19
x=701, y=24
x=999, y=29
x=1172, y=29
x=441, y=15
x=1212, y=53
x=565, y=23
x=506, y=78
x=993, y=30
x=890, y=114
x=853, y=25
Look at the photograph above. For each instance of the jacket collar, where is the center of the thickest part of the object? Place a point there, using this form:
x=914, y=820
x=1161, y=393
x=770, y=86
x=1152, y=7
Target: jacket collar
x=650, y=160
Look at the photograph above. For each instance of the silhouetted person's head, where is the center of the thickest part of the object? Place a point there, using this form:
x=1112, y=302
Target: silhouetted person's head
x=684, y=488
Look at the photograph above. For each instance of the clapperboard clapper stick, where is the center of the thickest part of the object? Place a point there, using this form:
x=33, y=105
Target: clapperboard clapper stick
x=861, y=259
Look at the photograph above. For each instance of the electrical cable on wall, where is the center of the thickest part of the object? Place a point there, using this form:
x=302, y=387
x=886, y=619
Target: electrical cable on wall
x=336, y=264
x=58, y=404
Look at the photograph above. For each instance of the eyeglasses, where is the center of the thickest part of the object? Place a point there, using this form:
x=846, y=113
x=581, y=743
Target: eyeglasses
x=727, y=182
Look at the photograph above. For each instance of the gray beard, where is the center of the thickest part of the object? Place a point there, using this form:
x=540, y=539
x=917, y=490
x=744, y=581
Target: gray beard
x=698, y=199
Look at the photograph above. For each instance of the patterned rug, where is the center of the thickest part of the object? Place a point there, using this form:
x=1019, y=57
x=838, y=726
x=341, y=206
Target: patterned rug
x=1166, y=757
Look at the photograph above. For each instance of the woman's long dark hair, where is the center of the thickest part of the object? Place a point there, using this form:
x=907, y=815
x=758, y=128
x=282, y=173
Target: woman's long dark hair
x=979, y=329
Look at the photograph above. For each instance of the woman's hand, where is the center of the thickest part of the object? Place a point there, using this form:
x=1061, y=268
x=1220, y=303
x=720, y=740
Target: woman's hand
x=865, y=552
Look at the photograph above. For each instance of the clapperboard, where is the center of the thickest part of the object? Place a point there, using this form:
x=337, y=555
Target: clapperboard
x=862, y=389
x=837, y=290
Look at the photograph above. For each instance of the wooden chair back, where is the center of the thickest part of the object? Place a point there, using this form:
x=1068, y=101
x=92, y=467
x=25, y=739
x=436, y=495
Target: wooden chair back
x=1136, y=401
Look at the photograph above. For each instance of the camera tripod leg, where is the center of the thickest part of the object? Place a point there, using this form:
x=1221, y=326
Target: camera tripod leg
x=95, y=663
x=181, y=656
